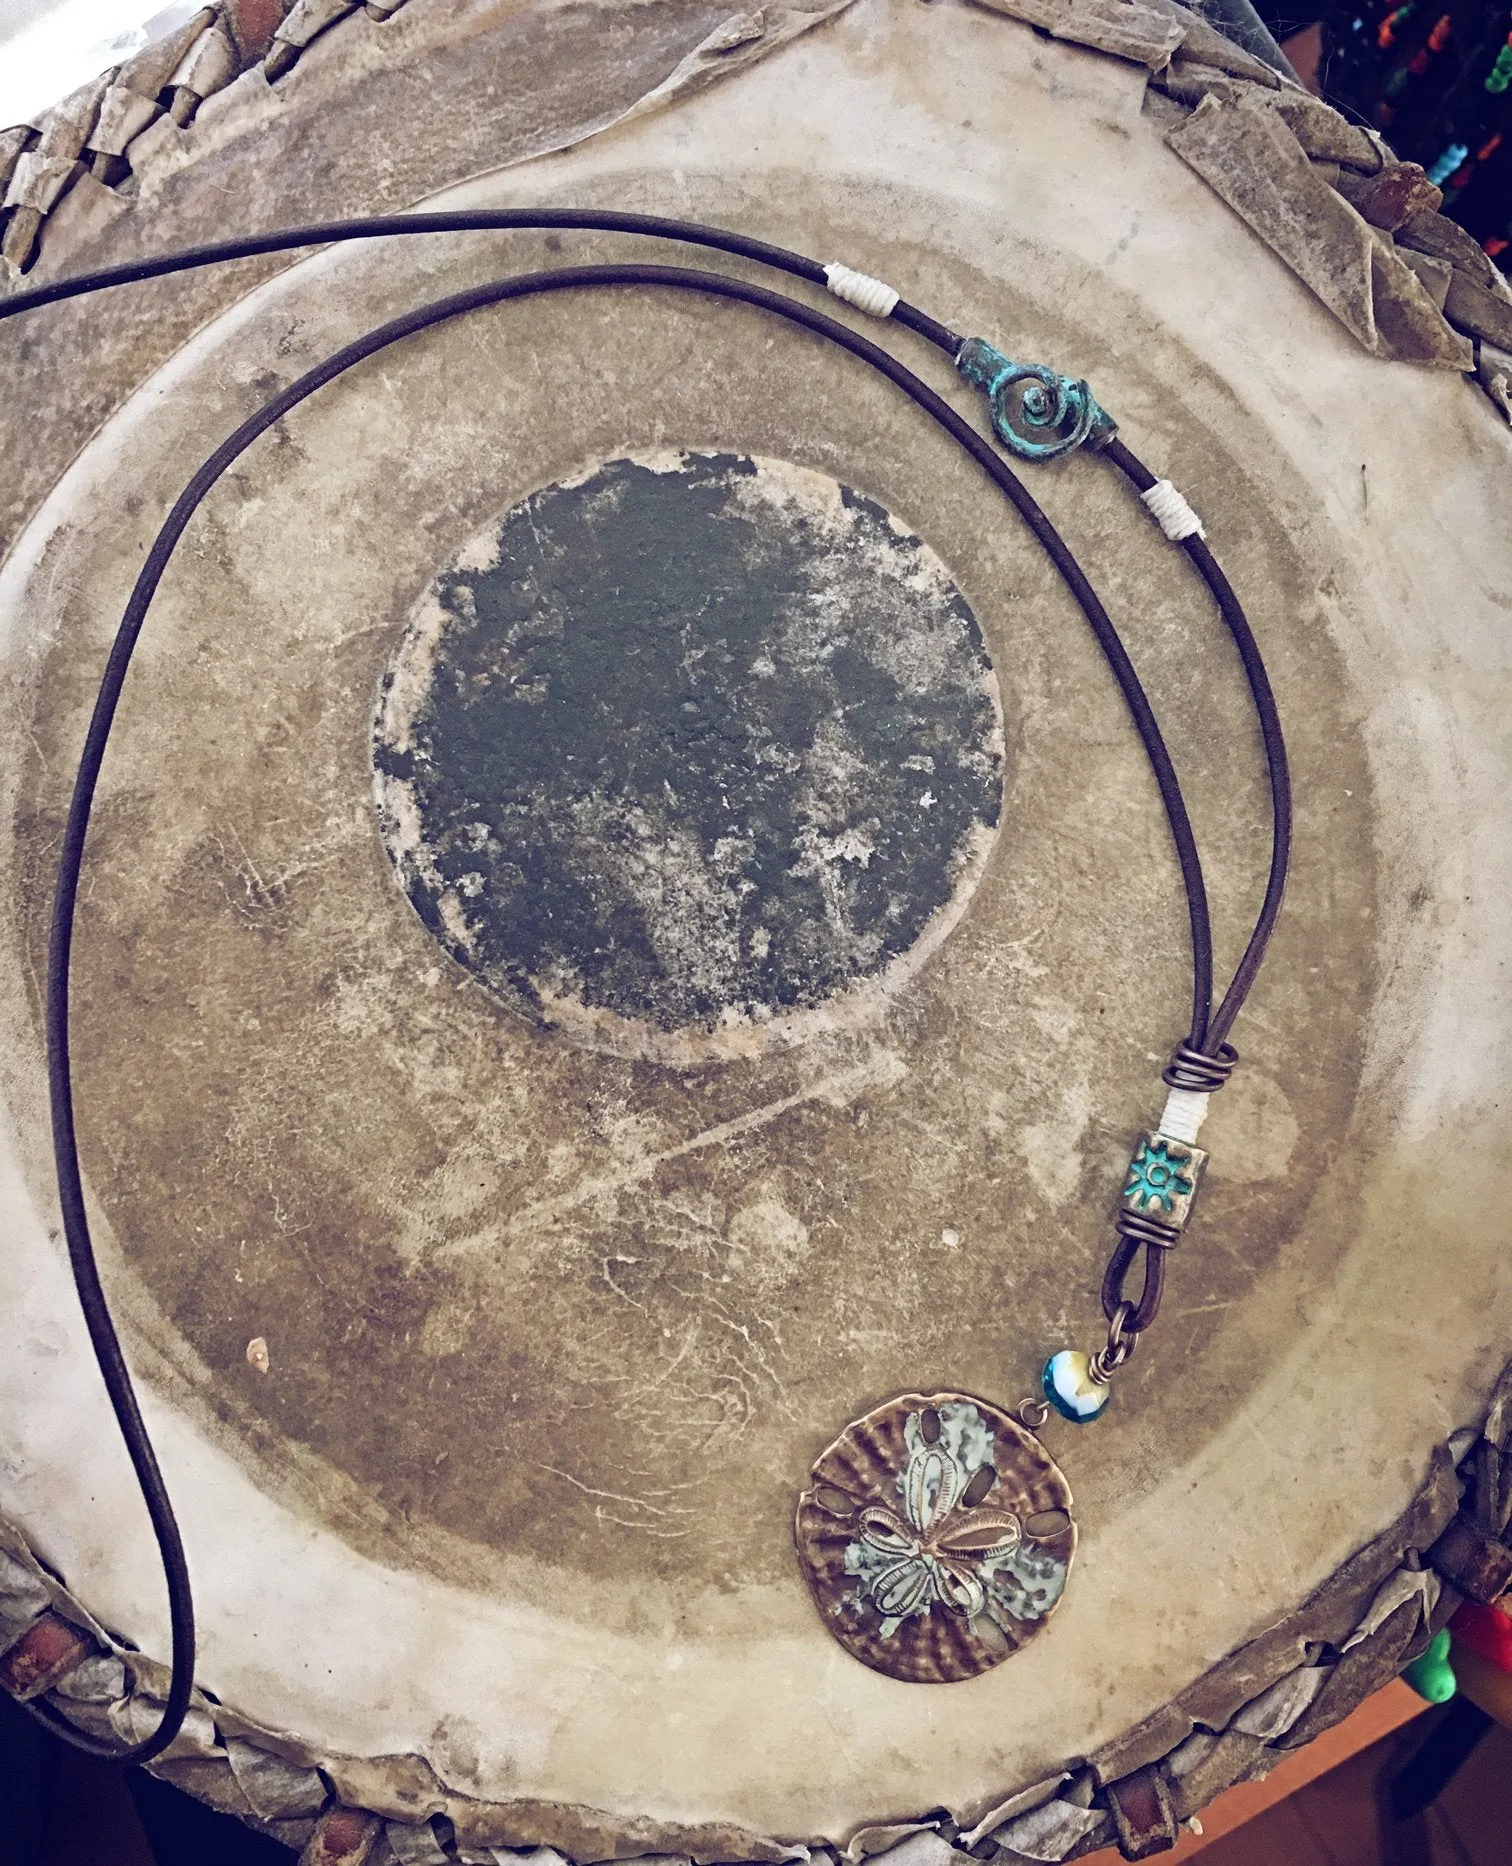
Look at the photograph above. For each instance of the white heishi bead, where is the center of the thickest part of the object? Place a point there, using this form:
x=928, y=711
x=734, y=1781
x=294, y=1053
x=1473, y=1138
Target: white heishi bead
x=1185, y=1111
x=1070, y=1388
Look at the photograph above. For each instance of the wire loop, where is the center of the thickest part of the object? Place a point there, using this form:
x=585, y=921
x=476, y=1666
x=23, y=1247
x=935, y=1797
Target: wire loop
x=1123, y=1339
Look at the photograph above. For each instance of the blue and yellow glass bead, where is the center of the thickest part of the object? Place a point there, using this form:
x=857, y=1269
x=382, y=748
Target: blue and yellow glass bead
x=1070, y=1388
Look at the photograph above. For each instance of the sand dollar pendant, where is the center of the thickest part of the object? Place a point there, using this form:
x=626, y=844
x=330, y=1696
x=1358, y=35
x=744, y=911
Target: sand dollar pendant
x=936, y=1534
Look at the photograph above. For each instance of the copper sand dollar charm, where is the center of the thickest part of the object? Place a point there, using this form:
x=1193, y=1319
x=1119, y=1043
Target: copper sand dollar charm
x=937, y=1537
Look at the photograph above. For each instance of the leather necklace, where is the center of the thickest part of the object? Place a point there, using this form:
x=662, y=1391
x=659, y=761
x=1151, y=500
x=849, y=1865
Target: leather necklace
x=936, y=1531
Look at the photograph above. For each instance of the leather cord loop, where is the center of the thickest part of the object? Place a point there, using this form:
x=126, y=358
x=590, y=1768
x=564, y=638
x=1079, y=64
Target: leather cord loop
x=1125, y=1251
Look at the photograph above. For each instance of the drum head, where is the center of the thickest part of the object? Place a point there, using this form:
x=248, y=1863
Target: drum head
x=626, y=924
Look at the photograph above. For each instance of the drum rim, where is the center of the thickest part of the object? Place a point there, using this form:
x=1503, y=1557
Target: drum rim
x=1275, y=1690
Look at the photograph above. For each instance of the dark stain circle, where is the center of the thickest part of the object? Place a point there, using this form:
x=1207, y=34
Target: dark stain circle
x=690, y=752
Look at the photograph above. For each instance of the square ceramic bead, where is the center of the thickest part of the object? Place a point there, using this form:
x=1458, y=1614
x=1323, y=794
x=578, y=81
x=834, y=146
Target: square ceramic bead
x=1162, y=1179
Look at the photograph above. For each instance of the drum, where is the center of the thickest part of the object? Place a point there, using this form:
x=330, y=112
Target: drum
x=502, y=1225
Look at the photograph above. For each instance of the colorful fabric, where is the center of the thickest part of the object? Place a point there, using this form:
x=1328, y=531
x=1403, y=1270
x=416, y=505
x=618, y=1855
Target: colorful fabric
x=1487, y=1631
x=1435, y=78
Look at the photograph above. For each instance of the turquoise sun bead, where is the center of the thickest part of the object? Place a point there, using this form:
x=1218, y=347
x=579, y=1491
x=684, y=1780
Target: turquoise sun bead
x=1070, y=1388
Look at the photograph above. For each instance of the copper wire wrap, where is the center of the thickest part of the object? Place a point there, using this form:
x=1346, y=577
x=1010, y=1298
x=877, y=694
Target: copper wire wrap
x=1191, y=1069
x=1145, y=1230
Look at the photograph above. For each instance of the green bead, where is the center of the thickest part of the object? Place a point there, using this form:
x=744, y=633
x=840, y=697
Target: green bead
x=1430, y=1674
